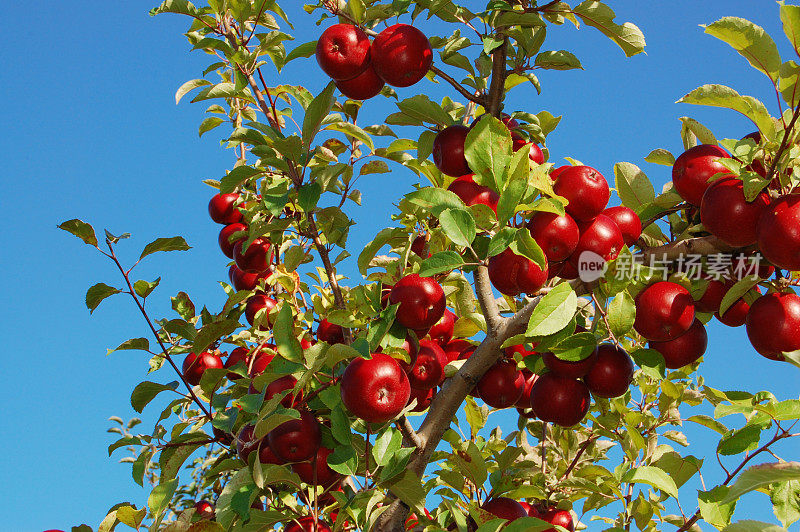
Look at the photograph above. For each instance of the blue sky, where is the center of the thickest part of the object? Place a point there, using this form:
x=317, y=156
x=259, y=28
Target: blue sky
x=91, y=130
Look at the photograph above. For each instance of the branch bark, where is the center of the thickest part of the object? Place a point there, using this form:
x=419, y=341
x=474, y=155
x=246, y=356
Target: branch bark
x=458, y=86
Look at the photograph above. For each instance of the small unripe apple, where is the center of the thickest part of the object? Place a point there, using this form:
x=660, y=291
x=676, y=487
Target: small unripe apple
x=317, y=472
x=448, y=151
x=694, y=168
x=330, y=332
x=514, y=274
x=257, y=303
x=222, y=210
x=686, y=348
x=664, y=311
x=778, y=235
x=256, y=258
x=375, y=389
x=586, y=190
x=366, y=85
x=401, y=55
x=472, y=193
x=612, y=373
x=195, y=365
x=224, y=238
x=727, y=215
x=566, y=368
x=421, y=300
x=560, y=400
x=296, y=440
x=773, y=324
x=502, y=385
x=629, y=223
x=343, y=51
x=556, y=235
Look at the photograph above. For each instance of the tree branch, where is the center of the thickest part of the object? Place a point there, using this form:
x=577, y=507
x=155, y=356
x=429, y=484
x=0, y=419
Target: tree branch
x=498, y=83
x=486, y=299
x=703, y=245
x=404, y=426
x=458, y=86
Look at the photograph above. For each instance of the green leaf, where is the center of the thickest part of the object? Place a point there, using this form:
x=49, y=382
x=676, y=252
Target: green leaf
x=208, y=124
x=703, y=134
x=709, y=422
x=188, y=87
x=525, y=245
x=96, y=294
x=304, y=50
x=736, y=292
x=600, y=16
x=356, y=132
x=160, y=496
x=660, y=156
x=652, y=476
x=317, y=110
x=557, y=60
x=128, y=515
x=142, y=344
x=633, y=186
x=510, y=199
x=146, y=392
x=435, y=200
x=408, y=488
x=145, y=288
x=175, y=243
x=380, y=240
x=621, y=314
x=752, y=526
x=459, y=226
x=288, y=346
x=722, y=96
x=344, y=460
x=386, y=445
x=554, y=311
x=417, y=110
x=308, y=196
x=443, y=261
x=576, y=347
x=212, y=332
x=476, y=415
x=712, y=510
x=488, y=151
x=762, y=475
x=751, y=41
x=236, y=177
x=80, y=229
x=785, y=499
x=501, y=240
x=739, y=441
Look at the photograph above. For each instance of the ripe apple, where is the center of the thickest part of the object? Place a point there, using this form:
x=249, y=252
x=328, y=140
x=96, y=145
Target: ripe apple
x=502, y=385
x=204, y=509
x=256, y=258
x=523, y=404
x=736, y=314
x=296, y=440
x=556, y=235
x=325, y=476
x=521, y=350
x=712, y=297
x=401, y=55
x=255, y=304
x=421, y=300
x=535, y=153
x=237, y=355
x=330, y=333
x=600, y=236
x=773, y=324
x=194, y=366
x=612, y=373
x=566, y=368
x=727, y=215
x=586, y=190
x=375, y=389
x=418, y=246
x=442, y=330
x=366, y=85
x=514, y=274
x=694, y=167
x=246, y=281
x=307, y=524
x=532, y=510
x=628, y=222
x=423, y=397
x=222, y=209
x=343, y=51
x=686, y=348
x=560, y=400
x=260, y=362
x=455, y=347
x=472, y=193
x=279, y=385
x=555, y=516
x=224, y=238
x=505, y=508
x=664, y=311
x=246, y=442
x=427, y=371
x=779, y=233
x=448, y=151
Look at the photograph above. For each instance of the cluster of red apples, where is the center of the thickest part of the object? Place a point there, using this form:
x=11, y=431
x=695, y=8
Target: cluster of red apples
x=400, y=55
x=767, y=225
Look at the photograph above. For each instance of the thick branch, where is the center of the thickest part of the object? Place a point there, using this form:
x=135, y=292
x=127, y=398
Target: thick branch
x=498, y=84
x=703, y=245
x=458, y=86
x=486, y=299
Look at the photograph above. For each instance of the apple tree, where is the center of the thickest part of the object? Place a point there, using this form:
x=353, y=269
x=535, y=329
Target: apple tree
x=315, y=400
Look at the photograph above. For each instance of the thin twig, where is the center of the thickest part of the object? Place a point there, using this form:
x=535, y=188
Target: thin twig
x=459, y=87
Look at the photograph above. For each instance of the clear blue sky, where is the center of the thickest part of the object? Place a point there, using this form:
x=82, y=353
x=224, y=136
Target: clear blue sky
x=91, y=130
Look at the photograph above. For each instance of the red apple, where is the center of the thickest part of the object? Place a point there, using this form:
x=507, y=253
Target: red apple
x=442, y=330
x=296, y=440
x=600, y=236
x=530, y=509
x=204, y=510
x=694, y=167
x=237, y=355
x=401, y=55
x=727, y=215
x=556, y=235
x=502, y=385
x=505, y=508
x=246, y=281
x=612, y=373
x=586, y=190
x=628, y=222
x=779, y=233
x=521, y=350
x=423, y=398
x=330, y=332
x=448, y=151
x=316, y=472
x=257, y=303
x=555, y=516
x=773, y=324
x=366, y=85
x=418, y=246
x=282, y=384
x=306, y=524
x=523, y=404
x=256, y=258
x=514, y=274
x=194, y=366
x=664, y=311
x=421, y=300
x=260, y=362
x=343, y=51
x=246, y=442
x=736, y=314
x=565, y=368
x=454, y=348
x=224, y=238
x=712, y=297
x=535, y=153
x=427, y=371
x=472, y=193
x=375, y=389
x=222, y=209
x=686, y=348
x=560, y=400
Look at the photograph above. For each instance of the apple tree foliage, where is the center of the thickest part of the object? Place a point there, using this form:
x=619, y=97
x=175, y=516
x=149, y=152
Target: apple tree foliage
x=298, y=157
